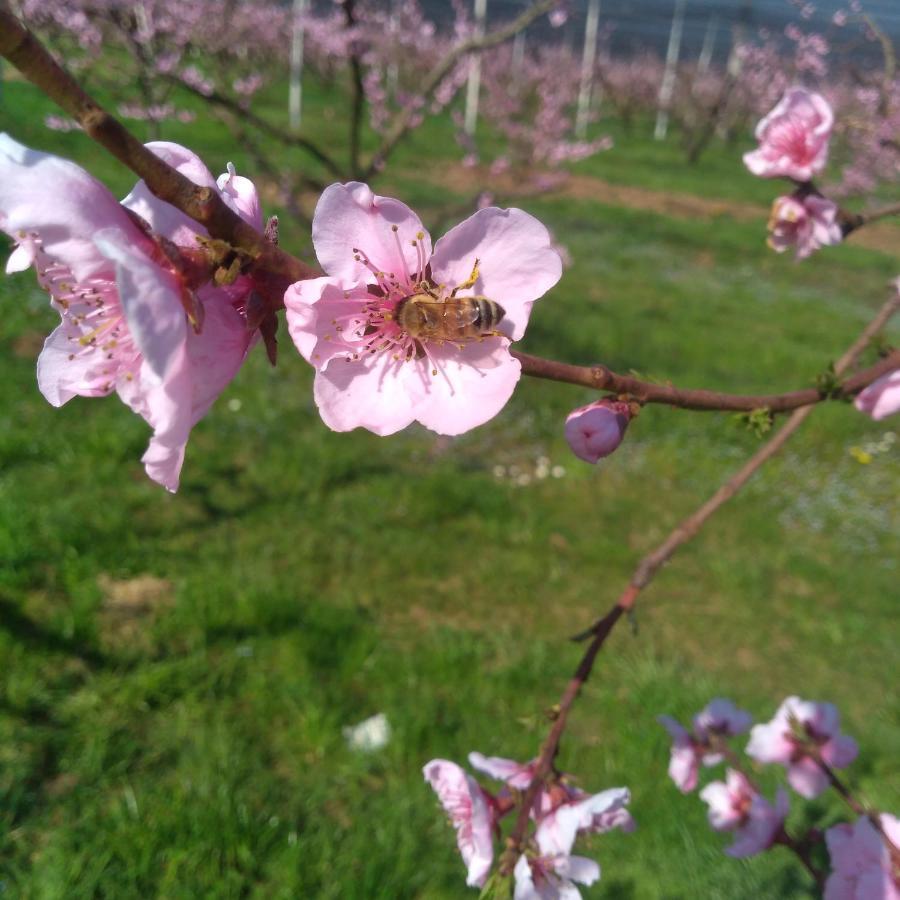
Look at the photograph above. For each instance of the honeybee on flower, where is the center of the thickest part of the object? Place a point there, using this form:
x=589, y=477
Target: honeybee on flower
x=400, y=332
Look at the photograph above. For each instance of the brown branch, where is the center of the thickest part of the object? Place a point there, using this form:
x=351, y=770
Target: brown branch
x=603, y=379
x=644, y=573
x=551, y=744
x=850, y=222
x=401, y=123
x=202, y=204
x=358, y=95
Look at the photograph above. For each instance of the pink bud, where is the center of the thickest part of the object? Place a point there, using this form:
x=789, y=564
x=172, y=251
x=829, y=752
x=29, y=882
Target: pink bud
x=596, y=430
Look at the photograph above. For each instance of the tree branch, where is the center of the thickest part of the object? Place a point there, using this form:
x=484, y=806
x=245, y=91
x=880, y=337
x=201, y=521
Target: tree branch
x=432, y=81
x=202, y=204
x=270, y=129
x=602, y=379
x=644, y=573
x=358, y=94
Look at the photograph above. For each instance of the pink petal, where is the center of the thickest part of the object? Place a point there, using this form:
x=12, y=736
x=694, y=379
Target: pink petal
x=471, y=386
x=163, y=218
x=241, y=195
x=151, y=301
x=881, y=398
x=350, y=216
x=217, y=352
x=517, y=262
x=806, y=778
x=21, y=257
x=578, y=868
x=309, y=307
x=768, y=743
x=370, y=393
x=515, y=774
x=60, y=378
x=840, y=751
x=557, y=830
x=62, y=204
x=168, y=411
x=722, y=814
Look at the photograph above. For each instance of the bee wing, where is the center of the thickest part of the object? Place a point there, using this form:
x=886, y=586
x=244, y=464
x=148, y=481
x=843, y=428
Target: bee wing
x=463, y=313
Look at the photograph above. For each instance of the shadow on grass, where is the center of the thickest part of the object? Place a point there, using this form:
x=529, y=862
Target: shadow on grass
x=39, y=637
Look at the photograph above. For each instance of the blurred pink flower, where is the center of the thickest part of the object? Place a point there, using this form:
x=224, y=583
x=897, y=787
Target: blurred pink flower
x=805, y=223
x=862, y=867
x=793, y=137
x=735, y=806
x=881, y=398
x=720, y=718
x=370, y=372
x=469, y=809
x=800, y=733
x=551, y=874
x=596, y=430
x=121, y=303
x=686, y=754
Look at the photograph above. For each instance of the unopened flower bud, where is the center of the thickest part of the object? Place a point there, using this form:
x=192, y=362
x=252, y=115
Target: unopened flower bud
x=596, y=430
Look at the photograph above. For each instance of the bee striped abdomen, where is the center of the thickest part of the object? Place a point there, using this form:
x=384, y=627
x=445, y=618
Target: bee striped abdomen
x=454, y=319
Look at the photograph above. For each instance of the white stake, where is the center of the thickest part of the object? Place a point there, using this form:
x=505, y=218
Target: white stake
x=667, y=88
x=709, y=43
x=295, y=88
x=518, y=51
x=474, y=85
x=587, y=68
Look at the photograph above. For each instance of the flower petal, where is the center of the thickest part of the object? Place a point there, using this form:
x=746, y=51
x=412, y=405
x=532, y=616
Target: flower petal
x=517, y=261
x=471, y=385
x=62, y=375
x=349, y=216
x=370, y=392
x=241, y=195
x=57, y=200
x=150, y=299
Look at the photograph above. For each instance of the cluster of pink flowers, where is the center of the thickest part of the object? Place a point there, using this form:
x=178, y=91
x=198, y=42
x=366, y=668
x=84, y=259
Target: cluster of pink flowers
x=793, y=143
x=138, y=314
x=547, y=869
x=805, y=738
x=141, y=316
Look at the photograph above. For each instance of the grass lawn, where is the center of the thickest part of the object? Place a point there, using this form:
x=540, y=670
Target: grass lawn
x=176, y=671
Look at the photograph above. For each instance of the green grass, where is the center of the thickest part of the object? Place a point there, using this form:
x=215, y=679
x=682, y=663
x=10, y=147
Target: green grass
x=175, y=672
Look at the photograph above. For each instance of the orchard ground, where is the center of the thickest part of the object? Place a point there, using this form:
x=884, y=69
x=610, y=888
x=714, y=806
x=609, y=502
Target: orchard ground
x=176, y=671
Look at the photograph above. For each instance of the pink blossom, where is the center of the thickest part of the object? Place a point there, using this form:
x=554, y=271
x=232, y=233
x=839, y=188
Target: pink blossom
x=370, y=372
x=468, y=806
x=806, y=223
x=552, y=872
x=735, y=806
x=686, y=754
x=596, y=430
x=801, y=733
x=719, y=718
x=793, y=137
x=861, y=860
x=121, y=301
x=881, y=398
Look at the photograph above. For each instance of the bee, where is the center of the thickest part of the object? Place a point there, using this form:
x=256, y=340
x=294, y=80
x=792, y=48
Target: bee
x=427, y=318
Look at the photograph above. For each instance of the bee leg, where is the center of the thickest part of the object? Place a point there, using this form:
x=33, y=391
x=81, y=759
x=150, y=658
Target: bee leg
x=470, y=281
